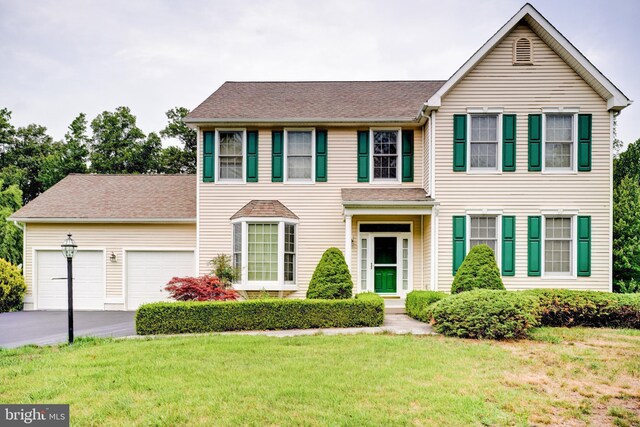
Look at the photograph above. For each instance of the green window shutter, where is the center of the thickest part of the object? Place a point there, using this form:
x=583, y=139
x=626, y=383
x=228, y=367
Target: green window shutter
x=277, y=156
x=508, y=245
x=252, y=156
x=459, y=241
x=459, y=142
x=321, y=156
x=407, y=156
x=584, y=142
x=363, y=156
x=209, y=157
x=508, y=142
x=534, y=247
x=535, y=142
x=584, y=246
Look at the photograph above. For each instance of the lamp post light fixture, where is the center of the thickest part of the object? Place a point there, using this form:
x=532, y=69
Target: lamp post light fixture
x=69, y=249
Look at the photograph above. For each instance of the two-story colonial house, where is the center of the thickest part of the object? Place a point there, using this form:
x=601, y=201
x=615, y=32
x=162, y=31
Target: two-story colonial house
x=514, y=151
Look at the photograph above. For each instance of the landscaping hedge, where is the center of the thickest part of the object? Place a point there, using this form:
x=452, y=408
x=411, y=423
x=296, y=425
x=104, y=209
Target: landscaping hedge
x=189, y=317
x=510, y=314
x=485, y=313
x=417, y=302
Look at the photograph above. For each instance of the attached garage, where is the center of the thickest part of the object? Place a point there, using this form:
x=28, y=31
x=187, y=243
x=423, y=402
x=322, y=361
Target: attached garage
x=147, y=273
x=89, y=282
x=134, y=233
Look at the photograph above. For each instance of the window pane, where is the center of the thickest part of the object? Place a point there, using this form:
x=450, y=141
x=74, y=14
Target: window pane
x=299, y=168
x=483, y=232
x=385, y=142
x=231, y=143
x=558, y=243
x=484, y=128
x=299, y=143
x=559, y=127
x=405, y=264
x=230, y=167
x=363, y=264
x=385, y=167
x=484, y=155
x=558, y=155
x=263, y=252
x=385, y=154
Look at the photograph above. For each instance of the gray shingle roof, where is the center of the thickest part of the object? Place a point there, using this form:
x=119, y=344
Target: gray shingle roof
x=316, y=101
x=384, y=195
x=263, y=209
x=110, y=197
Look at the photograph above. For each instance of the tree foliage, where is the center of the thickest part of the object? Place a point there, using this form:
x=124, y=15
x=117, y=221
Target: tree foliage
x=12, y=287
x=478, y=271
x=626, y=230
x=10, y=235
x=331, y=278
x=175, y=159
x=627, y=164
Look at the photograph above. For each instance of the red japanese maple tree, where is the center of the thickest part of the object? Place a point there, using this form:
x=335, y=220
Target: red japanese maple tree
x=203, y=288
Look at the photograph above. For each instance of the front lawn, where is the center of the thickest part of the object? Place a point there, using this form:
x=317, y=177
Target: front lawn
x=577, y=376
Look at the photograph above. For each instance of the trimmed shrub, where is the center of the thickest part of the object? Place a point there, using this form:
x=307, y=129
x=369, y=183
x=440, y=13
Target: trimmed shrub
x=190, y=317
x=203, y=288
x=417, y=302
x=331, y=278
x=478, y=271
x=12, y=287
x=485, y=314
x=561, y=307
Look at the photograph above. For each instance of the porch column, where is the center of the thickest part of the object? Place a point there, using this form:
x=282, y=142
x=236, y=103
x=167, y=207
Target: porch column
x=347, y=240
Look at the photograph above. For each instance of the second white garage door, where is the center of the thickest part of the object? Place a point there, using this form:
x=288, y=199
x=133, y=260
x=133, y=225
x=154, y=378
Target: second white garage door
x=147, y=273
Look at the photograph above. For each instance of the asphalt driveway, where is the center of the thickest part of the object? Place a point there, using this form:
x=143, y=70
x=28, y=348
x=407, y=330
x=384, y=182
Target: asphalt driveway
x=50, y=327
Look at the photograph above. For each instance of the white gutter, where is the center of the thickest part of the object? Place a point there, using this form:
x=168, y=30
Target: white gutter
x=15, y=222
x=344, y=120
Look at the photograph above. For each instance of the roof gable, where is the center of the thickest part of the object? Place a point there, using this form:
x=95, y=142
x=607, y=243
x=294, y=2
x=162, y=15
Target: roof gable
x=616, y=100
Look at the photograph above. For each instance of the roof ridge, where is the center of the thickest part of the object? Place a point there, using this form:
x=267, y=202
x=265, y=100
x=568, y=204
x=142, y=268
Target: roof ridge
x=131, y=174
x=337, y=81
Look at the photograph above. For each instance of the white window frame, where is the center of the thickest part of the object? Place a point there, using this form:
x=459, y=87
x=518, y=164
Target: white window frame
x=244, y=157
x=573, y=111
x=573, y=262
x=280, y=284
x=498, y=216
x=286, y=156
x=371, y=155
x=498, y=111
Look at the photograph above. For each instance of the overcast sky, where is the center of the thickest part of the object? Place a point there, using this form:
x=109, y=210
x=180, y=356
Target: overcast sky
x=60, y=58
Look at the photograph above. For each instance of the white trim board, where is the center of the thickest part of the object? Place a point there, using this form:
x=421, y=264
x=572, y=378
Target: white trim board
x=616, y=100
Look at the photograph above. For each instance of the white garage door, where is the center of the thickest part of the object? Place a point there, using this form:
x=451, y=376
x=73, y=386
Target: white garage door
x=148, y=272
x=88, y=280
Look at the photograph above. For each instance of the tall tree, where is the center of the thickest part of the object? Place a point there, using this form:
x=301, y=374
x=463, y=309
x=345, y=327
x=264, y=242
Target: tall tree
x=7, y=132
x=10, y=235
x=68, y=156
x=175, y=160
x=23, y=158
x=627, y=164
x=626, y=230
x=119, y=146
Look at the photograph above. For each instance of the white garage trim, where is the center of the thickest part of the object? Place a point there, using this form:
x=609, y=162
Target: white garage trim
x=126, y=250
x=34, y=269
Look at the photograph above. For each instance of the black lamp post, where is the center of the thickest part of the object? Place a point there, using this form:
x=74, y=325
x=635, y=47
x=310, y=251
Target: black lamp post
x=69, y=249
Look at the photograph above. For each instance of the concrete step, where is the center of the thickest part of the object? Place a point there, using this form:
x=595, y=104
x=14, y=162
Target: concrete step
x=394, y=306
x=395, y=310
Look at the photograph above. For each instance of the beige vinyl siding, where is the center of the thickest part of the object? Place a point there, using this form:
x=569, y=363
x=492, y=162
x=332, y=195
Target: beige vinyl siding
x=319, y=205
x=522, y=90
x=111, y=238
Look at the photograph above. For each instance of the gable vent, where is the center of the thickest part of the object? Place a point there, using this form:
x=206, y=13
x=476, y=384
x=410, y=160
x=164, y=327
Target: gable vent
x=523, y=51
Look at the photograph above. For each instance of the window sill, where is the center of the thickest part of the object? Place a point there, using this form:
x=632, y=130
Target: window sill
x=559, y=172
x=386, y=181
x=230, y=182
x=300, y=182
x=265, y=286
x=484, y=172
x=558, y=277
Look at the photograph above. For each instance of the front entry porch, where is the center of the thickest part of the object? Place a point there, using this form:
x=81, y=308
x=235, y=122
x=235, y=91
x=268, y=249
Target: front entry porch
x=389, y=241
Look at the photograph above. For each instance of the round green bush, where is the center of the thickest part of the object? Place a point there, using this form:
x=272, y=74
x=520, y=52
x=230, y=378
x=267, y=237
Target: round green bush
x=12, y=287
x=478, y=271
x=331, y=278
x=485, y=314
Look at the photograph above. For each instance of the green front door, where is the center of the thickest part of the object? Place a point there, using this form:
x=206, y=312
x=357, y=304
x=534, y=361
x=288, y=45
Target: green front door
x=385, y=264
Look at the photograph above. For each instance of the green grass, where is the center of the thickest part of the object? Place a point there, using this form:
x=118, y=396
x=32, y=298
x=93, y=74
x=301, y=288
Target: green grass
x=314, y=380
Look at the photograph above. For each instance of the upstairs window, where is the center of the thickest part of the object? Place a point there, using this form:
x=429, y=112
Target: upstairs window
x=559, y=144
x=231, y=155
x=484, y=142
x=385, y=155
x=299, y=149
x=523, y=51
